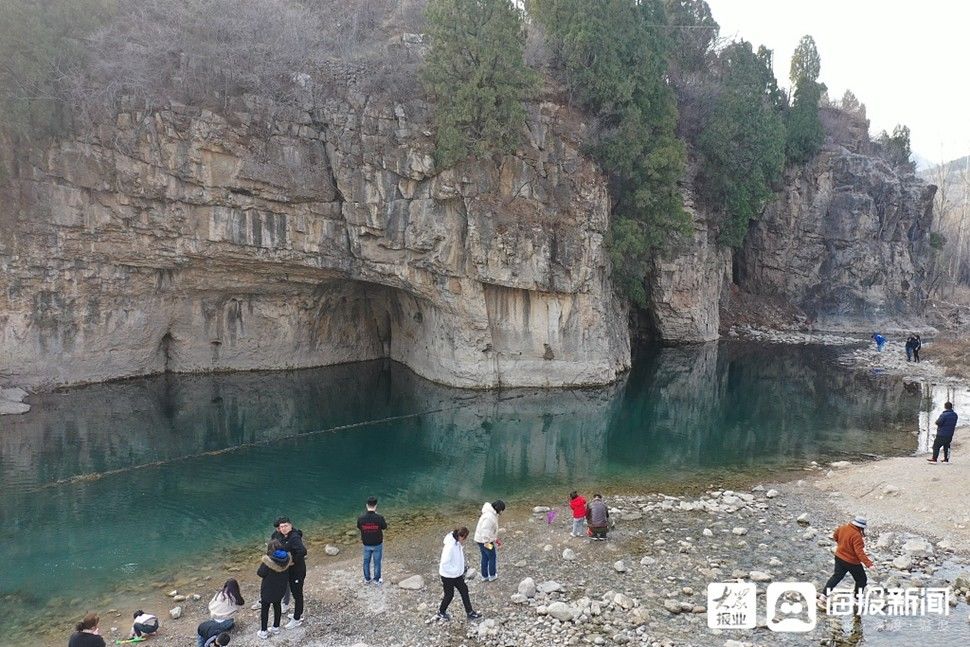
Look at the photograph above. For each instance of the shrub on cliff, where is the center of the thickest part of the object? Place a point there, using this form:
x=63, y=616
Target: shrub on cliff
x=805, y=133
x=612, y=57
x=476, y=72
x=742, y=146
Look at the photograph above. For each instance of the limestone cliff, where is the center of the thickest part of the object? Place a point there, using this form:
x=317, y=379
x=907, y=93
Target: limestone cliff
x=185, y=240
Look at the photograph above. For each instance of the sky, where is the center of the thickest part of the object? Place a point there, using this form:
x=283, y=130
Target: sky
x=905, y=60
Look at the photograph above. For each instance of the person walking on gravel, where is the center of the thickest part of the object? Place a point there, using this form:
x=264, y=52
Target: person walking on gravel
x=850, y=555
x=486, y=536
x=945, y=425
x=451, y=568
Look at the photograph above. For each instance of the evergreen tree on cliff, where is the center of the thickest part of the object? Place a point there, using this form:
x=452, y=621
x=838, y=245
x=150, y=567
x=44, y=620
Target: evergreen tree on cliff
x=805, y=134
x=742, y=145
x=613, y=56
x=478, y=77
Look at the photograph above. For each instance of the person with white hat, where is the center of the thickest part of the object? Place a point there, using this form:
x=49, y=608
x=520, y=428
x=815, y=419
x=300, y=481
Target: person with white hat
x=850, y=555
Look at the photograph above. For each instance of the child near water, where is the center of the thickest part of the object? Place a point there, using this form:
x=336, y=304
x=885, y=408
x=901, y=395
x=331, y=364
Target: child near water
x=578, y=504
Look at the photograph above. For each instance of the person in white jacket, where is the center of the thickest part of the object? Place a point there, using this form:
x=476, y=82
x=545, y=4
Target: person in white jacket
x=451, y=568
x=486, y=536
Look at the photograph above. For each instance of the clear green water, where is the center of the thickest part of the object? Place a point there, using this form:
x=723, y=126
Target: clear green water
x=119, y=481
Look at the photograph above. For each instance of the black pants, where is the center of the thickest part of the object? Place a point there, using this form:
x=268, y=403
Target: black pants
x=450, y=584
x=916, y=354
x=264, y=614
x=297, y=575
x=841, y=568
x=944, y=442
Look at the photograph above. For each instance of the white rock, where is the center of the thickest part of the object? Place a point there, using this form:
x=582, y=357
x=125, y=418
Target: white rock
x=176, y=613
x=740, y=531
x=803, y=519
x=885, y=540
x=15, y=394
x=624, y=601
x=903, y=562
x=518, y=598
x=736, y=643
x=774, y=561
x=540, y=509
x=918, y=546
x=672, y=605
x=838, y=465
x=549, y=586
x=890, y=490
x=178, y=598
x=172, y=593
x=771, y=494
x=619, y=566
x=569, y=554
x=759, y=576
x=647, y=561
x=527, y=587
x=331, y=550
x=8, y=408
x=413, y=583
x=196, y=597
x=561, y=611
x=707, y=532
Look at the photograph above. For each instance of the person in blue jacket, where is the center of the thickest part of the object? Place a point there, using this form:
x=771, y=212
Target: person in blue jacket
x=945, y=425
x=880, y=341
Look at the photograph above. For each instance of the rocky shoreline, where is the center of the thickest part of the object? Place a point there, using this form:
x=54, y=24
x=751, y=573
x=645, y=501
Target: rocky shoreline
x=647, y=585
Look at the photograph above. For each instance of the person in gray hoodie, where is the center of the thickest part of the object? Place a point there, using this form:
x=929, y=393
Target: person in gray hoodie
x=598, y=518
x=486, y=536
x=451, y=568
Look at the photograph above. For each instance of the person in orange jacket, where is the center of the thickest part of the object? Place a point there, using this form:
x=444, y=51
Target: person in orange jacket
x=850, y=555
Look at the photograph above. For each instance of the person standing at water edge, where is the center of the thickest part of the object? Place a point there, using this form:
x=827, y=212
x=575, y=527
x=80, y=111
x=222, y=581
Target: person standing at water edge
x=273, y=569
x=917, y=344
x=486, y=536
x=910, y=347
x=850, y=555
x=87, y=633
x=880, y=341
x=372, y=527
x=578, y=505
x=451, y=568
x=598, y=518
x=945, y=425
x=291, y=541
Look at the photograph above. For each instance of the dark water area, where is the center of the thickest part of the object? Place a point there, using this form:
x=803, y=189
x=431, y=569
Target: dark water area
x=117, y=482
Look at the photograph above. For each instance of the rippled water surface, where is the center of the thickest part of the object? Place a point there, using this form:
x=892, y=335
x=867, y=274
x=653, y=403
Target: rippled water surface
x=118, y=481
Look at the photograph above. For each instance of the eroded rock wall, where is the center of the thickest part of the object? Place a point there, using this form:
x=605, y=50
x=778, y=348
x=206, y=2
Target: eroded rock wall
x=847, y=241
x=186, y=240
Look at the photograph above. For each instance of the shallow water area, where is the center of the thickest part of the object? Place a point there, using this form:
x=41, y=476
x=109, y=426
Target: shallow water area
x=115, y=487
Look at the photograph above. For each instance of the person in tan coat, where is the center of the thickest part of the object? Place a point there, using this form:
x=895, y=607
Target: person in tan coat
x=850, y=555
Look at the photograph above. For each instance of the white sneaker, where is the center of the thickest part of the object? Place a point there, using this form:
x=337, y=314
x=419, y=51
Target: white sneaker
x=293, y=624
x=274, y=630
x=263, y=634
x=256, y=605
x=380, y=581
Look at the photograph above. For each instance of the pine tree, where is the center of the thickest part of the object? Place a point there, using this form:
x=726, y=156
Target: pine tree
x=478, y=77
x=805, y=134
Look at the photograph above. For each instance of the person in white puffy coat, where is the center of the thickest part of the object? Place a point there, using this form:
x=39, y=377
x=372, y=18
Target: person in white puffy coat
x=451, y=568
x=486, y=536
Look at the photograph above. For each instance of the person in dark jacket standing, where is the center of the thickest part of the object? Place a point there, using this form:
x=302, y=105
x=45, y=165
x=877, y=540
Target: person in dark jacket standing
x=910, y=345
x=945, y=425
x=291, y=540
x=273, y=569
x=87, y=633
x=917, y=344
x=372, y=527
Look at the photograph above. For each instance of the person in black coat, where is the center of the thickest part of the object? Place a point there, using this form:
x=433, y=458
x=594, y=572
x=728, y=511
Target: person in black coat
x=291, y=540
x=87, y=633
x=273, y=569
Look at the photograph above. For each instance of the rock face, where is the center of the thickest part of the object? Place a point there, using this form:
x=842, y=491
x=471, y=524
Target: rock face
x=848, y=240
x=685, y=288
x=184, y=240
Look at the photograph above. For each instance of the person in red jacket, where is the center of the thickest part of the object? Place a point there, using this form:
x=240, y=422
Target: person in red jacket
x=850, y=555
x=578, y=505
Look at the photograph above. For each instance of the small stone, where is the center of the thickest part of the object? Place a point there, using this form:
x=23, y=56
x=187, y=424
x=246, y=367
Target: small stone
x=885, y=540
x=759, y=576
x=413, y=583
x=620, y=566
x=647, y=561
x=918, y=546
x=890, y=490
x=802, y=519
x=549, y=586
x=196, y=597
x=623, y=601
x=569, y=554
x=771, y=494
x=527, y=587
x=178, y=598
x=561, y=611
x=839, y=465
x=707, y=532
x=176, y=613
x=740, y=531
x=172, y=593
x=540, y=509
x=518, y=598
x=331, y=550
x=672, y=606
x=903, y=562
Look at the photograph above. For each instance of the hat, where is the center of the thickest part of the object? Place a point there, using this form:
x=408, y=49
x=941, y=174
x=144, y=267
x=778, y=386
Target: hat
x=280, y=554
x=859, y=522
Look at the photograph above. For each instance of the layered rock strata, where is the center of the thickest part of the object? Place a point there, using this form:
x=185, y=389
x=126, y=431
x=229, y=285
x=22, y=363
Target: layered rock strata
x=184, y=240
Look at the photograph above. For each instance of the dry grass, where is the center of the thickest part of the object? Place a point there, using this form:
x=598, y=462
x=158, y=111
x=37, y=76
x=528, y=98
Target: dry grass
x=953, y=353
